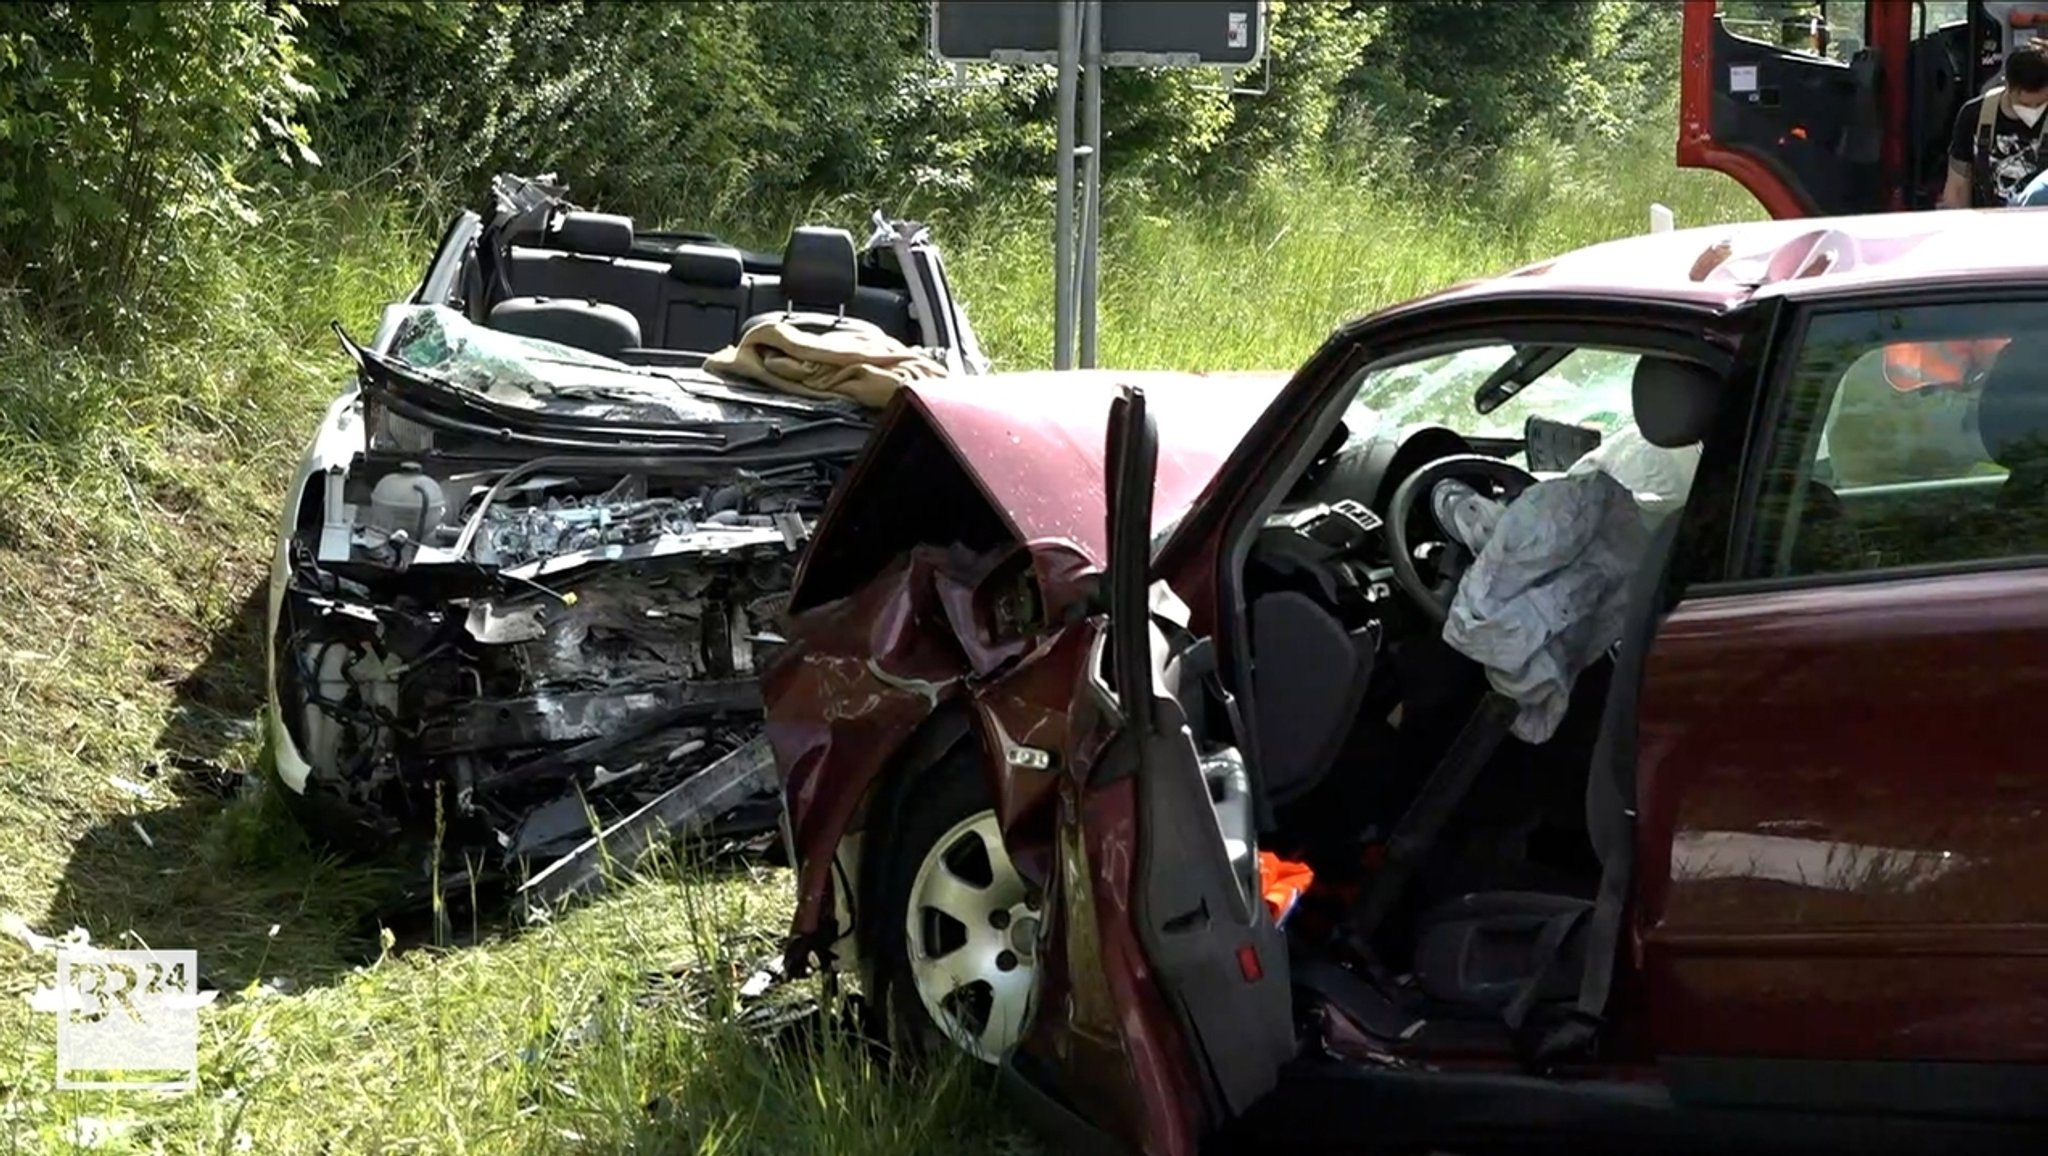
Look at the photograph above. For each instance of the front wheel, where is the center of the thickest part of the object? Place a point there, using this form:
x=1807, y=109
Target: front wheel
x=959, y=937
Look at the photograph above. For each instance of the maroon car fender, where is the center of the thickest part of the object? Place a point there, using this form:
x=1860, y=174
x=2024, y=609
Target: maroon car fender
x=863, y=675
x=859, y=679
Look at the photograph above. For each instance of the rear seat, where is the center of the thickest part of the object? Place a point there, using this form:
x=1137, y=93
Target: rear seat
x=704, y=298
x=888, y=309
x=587, y=257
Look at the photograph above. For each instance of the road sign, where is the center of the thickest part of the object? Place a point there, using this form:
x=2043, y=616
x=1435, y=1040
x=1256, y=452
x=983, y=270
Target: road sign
x=1135, y=33
x=1083, y=37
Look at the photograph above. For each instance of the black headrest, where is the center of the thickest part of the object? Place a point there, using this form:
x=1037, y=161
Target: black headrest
x=2012, y=411
x=598, y=234
x=818, y=267
x=1675, y=401
x=714, y=266
x=593, y=325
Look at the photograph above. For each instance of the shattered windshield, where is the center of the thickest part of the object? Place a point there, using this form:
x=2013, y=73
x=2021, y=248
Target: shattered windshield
x=531, y=373
x=1587, y=387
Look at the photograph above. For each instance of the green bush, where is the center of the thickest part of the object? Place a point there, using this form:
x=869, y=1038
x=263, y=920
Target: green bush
x=120, y=123
x=130, y=133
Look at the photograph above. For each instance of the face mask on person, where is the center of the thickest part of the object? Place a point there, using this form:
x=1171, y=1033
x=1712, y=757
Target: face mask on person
x=2028, y=114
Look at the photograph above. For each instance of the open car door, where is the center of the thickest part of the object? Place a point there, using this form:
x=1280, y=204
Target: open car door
x=1215, y=954
x=1159, y=918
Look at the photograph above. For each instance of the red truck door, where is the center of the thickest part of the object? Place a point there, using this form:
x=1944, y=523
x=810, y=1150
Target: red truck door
x=1794, y=110
x=1843, y=106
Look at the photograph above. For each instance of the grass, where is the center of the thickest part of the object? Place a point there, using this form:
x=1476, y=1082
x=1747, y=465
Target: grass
x=1258, y=283
x=137, y=495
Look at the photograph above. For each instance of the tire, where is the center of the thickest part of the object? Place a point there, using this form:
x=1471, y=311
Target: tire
x=952, y=912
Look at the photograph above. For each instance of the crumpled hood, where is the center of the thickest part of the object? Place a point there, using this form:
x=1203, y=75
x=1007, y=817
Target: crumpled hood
x=1034, y=441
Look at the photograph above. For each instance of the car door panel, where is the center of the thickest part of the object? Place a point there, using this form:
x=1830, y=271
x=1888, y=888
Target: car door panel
x=1169, y=1010
x=1217, y=960
x=1845, y=828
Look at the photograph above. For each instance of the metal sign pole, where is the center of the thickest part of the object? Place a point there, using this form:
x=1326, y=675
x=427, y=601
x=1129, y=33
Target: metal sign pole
x=1091, y=140
x=1084, y=37
x=1063, y=214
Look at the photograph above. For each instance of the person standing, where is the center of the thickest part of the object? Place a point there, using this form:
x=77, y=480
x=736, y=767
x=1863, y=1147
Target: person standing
x=1996, y=156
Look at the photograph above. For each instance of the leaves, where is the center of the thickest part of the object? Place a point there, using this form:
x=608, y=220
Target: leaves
x=123, y=119
x=123, y=123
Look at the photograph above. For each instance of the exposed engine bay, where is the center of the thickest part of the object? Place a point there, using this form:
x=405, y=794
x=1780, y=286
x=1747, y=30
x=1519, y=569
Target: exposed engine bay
x=601, y=648
x=502, y=642
x=531, y=565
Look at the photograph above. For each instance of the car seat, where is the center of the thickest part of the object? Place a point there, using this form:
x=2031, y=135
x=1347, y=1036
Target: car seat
x=1511, y=952
x=595, y=326
x=820, y=277
x=2012, y=418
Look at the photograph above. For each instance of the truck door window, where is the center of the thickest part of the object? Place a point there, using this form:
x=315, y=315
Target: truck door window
x=1834, y=30
x=1907, y=438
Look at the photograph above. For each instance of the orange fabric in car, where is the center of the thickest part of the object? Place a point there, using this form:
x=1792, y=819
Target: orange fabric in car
x=1282, y=882
x=1923, y=364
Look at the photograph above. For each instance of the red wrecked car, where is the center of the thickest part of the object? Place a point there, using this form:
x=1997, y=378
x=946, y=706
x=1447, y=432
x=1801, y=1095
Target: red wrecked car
x=1593, y=705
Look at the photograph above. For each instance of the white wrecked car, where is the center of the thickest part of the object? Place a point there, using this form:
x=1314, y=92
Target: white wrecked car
x=525, y=568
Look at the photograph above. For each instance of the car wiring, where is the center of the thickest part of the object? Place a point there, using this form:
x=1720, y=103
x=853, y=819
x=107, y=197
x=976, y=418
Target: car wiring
x=497, y=490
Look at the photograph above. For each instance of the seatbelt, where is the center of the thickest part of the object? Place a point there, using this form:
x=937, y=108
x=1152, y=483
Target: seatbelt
x=1576, y=1036
x=1616, y=844
x=1549, y=949
x=1424, y=819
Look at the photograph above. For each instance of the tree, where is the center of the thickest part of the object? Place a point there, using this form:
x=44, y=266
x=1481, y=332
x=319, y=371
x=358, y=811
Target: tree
x=118, y=121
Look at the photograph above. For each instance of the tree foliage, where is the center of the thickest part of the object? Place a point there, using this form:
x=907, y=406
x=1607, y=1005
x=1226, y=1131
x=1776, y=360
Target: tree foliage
x=119, y=119
x=123, y=123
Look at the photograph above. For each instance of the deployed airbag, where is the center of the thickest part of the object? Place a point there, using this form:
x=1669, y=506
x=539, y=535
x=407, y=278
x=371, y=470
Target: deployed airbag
x=1658, y=476
x=1546, y=594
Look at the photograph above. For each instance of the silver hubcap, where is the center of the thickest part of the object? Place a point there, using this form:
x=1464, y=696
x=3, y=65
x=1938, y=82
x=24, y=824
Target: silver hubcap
x=972, y=933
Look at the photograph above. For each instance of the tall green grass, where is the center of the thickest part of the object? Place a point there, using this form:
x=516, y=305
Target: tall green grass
x=138, y=491
x=1258, y=283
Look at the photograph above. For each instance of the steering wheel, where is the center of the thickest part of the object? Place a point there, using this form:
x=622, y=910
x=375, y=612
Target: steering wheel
x=1435, y=599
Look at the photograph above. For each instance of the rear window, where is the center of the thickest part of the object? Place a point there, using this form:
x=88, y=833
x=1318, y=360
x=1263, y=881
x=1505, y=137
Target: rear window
x=1906, y=438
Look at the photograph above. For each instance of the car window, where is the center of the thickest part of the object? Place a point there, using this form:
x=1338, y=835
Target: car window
x=1589, y=387
x=1904, y=438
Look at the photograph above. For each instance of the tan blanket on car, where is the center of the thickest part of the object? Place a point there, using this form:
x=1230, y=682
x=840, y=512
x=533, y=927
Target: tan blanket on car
x=851, y=361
